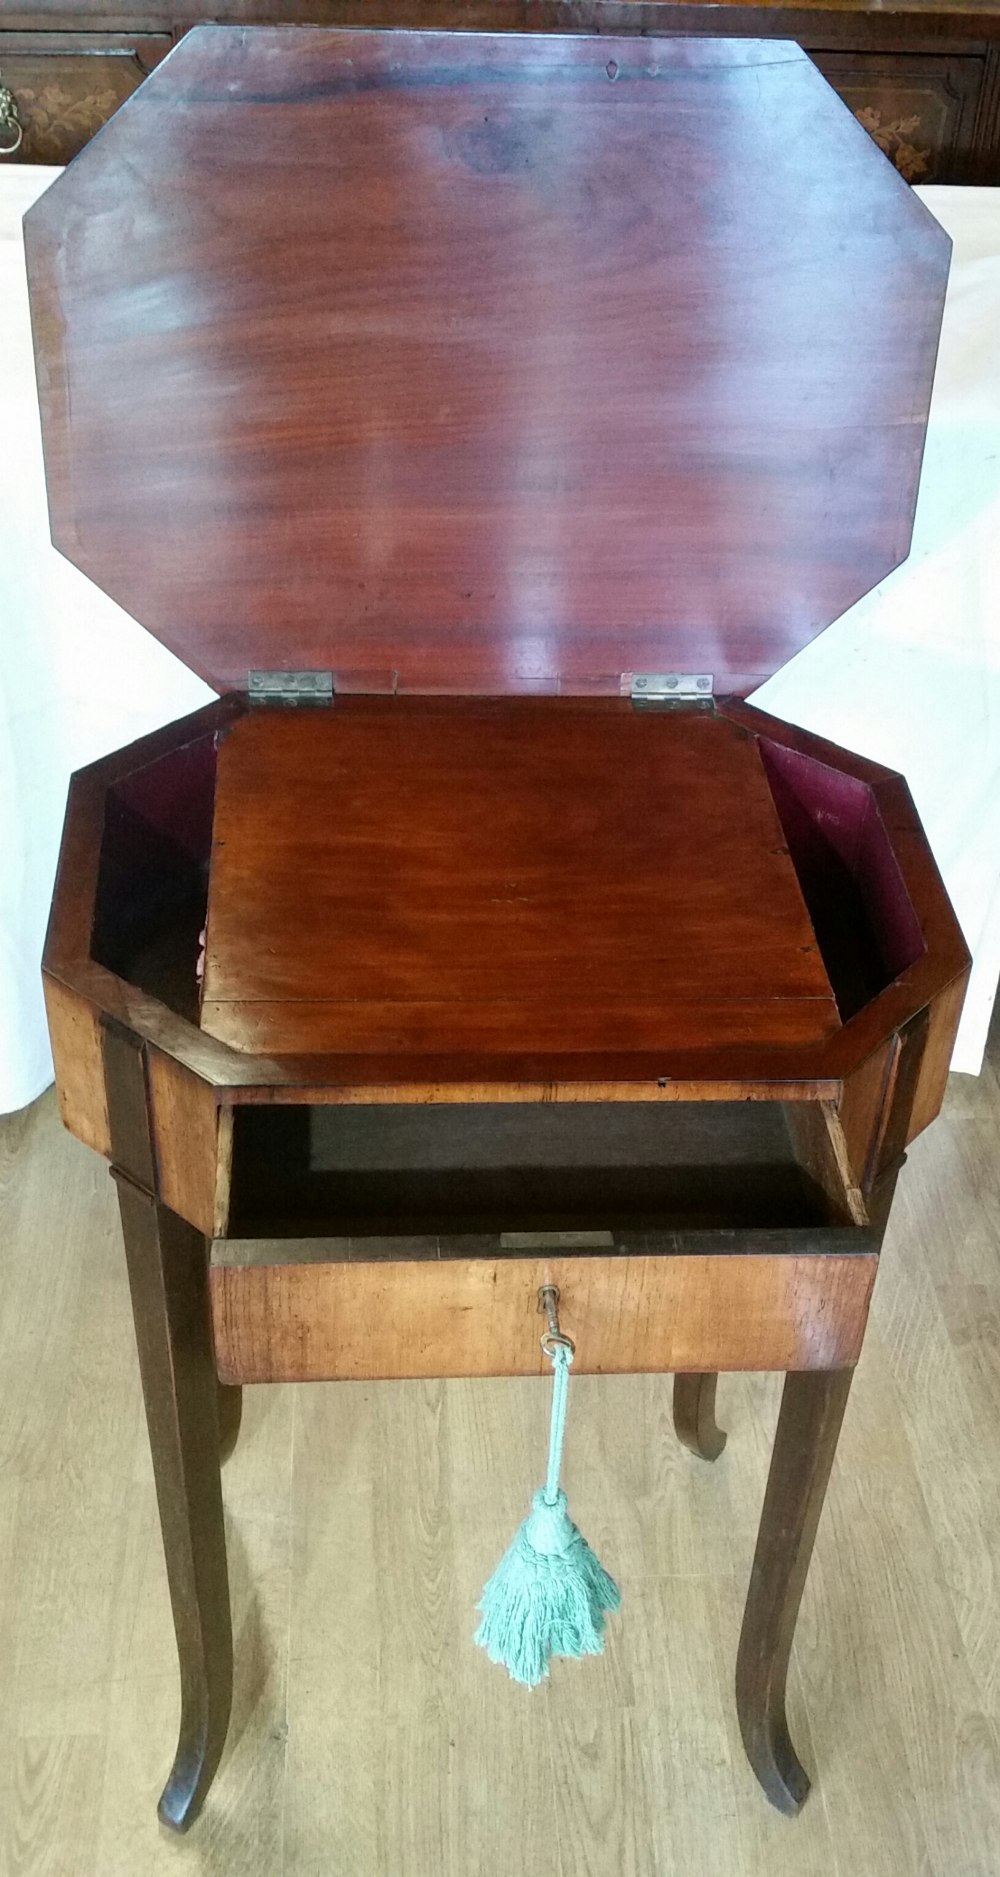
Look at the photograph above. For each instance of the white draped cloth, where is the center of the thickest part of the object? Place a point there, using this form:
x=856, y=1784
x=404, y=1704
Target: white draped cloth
x=910, y=676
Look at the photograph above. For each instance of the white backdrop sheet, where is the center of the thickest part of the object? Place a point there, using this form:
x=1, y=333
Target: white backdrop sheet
x=910, y=676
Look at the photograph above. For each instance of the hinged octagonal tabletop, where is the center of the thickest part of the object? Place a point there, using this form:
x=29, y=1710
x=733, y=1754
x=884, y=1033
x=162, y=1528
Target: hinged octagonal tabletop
x=483, y=363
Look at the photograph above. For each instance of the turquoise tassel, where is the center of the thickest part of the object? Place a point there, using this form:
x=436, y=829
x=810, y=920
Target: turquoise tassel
x=549, y=1594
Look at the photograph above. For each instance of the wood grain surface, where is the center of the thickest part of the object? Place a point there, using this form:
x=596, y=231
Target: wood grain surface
x=509, y=875
x=864, y=1108
x=193, y=1138
x=551, y=359
x=355, y=1321
x=75, y=1035
x=403, y=1495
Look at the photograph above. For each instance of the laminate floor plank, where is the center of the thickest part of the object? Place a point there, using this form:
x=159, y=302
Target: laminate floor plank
x=902, y=1805
x=370, y=1738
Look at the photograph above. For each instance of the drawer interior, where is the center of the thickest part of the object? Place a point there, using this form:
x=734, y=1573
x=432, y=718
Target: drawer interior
x=401, y=1179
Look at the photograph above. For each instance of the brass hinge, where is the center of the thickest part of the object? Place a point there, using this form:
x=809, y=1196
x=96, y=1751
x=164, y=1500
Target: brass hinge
x=673, y=688
x=290, y=687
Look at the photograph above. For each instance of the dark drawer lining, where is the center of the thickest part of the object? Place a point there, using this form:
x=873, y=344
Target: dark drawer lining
x=415, y=1175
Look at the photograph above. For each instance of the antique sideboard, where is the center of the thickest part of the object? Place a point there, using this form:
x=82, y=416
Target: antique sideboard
x=485, y=417
x=921, y=75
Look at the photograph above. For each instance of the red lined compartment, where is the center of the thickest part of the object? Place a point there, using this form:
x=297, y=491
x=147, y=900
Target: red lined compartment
x=864, y=920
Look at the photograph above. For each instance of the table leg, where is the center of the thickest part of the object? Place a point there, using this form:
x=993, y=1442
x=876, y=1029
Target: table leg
x=812, y=1409
x=168, y=1276
x=694, y=1415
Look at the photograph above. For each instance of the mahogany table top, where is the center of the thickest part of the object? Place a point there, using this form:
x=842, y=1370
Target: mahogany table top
x=417, y=877
x=484, y=363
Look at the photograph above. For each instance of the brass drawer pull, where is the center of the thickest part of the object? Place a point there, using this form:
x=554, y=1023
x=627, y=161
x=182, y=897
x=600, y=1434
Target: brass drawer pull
x=11, y=128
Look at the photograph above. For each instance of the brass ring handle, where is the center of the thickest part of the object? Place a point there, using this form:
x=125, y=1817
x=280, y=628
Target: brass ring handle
x=11, y=127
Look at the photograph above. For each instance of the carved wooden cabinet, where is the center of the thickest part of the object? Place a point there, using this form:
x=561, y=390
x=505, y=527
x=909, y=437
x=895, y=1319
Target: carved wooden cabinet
x=923, y=110
x=925, y=82
x=64, y=86
x=485, y=416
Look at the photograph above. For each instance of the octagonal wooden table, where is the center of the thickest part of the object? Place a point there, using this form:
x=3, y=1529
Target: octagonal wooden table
x=512, y=407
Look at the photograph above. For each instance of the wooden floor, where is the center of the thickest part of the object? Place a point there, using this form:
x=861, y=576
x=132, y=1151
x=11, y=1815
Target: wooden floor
x=370, y=1739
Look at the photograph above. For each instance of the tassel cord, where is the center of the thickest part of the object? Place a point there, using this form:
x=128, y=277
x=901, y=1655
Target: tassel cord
x=561, y=1355
x=549, y=1594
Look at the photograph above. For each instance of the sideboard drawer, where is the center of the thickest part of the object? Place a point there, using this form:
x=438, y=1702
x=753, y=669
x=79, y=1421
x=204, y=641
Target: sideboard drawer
x=66, y=85
x=919, y=108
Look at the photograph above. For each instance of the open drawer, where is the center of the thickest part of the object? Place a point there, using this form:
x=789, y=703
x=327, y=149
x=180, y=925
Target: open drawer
x=375, y=1241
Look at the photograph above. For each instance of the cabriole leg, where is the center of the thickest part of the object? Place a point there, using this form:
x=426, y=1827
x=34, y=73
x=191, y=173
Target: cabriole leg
x=694, y=1415
x=168, y=1276
x=812, y=1409
x=230, y=1406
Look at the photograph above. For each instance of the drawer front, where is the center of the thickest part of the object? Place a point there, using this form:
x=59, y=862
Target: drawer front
x=920, y=110
x=65, y=86
x=367, y=1321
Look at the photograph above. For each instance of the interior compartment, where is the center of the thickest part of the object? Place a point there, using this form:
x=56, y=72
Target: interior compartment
x=152, y=886
x=515, y=1170
x=865, y=924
